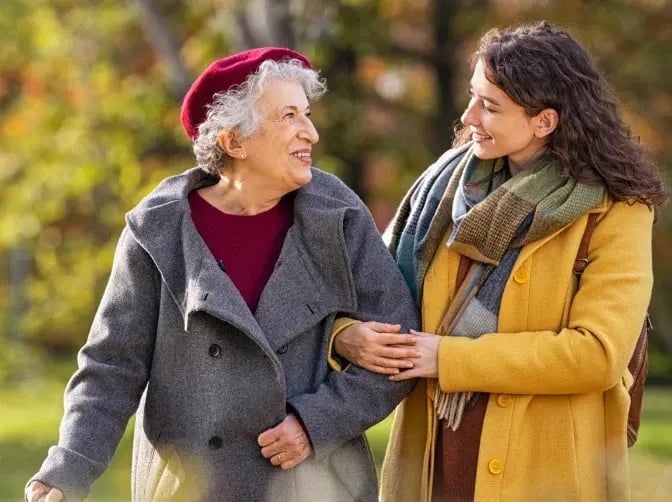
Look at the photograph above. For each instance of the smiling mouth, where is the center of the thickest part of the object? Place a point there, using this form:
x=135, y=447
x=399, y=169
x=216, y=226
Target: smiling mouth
x=301, y=155
x=479, y=137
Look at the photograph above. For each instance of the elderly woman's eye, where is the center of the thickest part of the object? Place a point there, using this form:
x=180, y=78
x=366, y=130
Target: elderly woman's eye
x=288, y=115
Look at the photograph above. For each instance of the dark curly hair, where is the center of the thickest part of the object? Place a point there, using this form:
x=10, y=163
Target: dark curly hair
x=540, y=67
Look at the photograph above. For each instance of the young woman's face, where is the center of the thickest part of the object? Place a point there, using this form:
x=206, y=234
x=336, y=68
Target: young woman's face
x=499, y=127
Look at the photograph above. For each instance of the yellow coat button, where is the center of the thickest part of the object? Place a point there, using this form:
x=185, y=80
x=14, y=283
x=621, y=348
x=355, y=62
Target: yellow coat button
x=504, y=400
x=521, y=276
x=495, y=466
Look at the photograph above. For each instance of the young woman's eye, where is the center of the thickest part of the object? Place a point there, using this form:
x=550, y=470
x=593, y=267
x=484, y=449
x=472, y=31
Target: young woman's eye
x=487, y=108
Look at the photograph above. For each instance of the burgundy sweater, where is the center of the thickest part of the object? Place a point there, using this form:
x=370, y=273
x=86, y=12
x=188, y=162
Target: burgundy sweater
x=246, y=247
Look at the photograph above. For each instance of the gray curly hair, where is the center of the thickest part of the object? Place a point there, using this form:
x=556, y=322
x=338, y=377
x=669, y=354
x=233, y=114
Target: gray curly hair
x=236, y=109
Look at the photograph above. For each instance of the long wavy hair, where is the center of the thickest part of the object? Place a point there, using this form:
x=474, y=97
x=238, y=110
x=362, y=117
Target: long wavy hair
x=540, y=67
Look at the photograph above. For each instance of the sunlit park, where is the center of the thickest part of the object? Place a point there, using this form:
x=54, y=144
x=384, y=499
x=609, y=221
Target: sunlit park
x=90, y=96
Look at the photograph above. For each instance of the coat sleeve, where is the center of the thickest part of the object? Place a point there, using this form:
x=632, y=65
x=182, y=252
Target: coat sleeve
x=605, y=318
x=351, y=401
x=113, y=370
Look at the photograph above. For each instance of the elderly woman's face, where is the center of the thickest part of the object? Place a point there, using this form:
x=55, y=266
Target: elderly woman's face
x=499, y=126
x=279, y=153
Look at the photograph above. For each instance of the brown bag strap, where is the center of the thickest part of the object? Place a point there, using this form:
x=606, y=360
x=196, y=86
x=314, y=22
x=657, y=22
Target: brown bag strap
x=639, y=363
x=462, y=271
x=581, y=261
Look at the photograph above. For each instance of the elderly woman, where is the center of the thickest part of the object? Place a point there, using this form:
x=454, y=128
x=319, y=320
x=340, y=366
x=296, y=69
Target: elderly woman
x=525, y=388
x=216, y=321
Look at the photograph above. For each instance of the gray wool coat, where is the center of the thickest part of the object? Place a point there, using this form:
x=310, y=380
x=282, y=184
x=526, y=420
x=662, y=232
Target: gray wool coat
x=174, y=340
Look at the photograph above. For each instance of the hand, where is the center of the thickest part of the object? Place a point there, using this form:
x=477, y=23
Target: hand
x=286, y=444
x=37, y=491
x=426, y=364
x=377, y=347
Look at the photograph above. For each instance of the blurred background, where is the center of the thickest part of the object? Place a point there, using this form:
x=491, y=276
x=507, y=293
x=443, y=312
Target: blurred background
x=89, y=100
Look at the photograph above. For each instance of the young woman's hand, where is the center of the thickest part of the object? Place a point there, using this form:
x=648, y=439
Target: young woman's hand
x=426, y=364
x=377, y=347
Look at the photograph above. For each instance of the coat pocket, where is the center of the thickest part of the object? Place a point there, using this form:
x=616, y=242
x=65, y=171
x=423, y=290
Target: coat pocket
x=354, y=465
x=164, y=476
x=309, y=481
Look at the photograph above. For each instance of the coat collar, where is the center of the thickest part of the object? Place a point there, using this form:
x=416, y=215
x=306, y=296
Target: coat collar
x=311, y=278
x=530, y=248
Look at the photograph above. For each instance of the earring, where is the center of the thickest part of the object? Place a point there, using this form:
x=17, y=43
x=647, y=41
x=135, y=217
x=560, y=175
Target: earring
x=243, y=156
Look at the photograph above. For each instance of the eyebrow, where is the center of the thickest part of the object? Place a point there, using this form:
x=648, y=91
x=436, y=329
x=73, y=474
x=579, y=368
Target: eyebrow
x=294, y=107
x=486, y=98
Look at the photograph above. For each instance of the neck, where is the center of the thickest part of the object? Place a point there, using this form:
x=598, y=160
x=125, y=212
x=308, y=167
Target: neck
x=235, y=195
x=518, y=166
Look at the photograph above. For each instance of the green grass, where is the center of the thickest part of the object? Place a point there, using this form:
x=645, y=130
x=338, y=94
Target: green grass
x=651, y=457
x=30, y=413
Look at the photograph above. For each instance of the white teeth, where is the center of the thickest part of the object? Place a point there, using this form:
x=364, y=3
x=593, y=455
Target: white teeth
x=302, y=155
x=479, y=137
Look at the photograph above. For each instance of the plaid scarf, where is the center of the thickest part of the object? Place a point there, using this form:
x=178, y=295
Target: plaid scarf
x=490, y=216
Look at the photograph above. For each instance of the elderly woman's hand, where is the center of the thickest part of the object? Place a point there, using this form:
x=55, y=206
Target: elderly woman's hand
x=37, y=491
x=286, y=444
x=377, y=347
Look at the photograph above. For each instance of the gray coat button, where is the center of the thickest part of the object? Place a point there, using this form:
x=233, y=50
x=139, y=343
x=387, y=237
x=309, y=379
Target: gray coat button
x=215, y=442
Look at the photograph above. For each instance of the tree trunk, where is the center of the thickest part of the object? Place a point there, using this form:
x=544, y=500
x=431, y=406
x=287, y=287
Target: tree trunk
x=166, y=46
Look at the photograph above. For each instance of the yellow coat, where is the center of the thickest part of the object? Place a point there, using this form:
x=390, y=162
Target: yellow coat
x=555, y=425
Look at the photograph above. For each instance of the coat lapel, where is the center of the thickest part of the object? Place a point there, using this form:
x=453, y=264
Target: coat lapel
x=312, y=277
x=163, y=226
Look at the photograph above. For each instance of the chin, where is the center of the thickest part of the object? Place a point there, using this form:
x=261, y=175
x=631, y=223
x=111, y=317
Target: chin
x=303, y=178
x=485, y=153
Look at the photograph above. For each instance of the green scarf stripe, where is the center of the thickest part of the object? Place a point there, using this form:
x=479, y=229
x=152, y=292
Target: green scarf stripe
x=495, y=224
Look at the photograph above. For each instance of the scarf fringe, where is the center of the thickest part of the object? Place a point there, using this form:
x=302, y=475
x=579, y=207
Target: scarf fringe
x=450, y=407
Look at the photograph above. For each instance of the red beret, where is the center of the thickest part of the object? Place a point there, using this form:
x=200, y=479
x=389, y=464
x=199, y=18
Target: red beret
x=221, y=76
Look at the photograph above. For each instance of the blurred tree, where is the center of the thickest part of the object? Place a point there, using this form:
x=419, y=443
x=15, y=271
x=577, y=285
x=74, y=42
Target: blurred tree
x=165, y=45
x=88, y=127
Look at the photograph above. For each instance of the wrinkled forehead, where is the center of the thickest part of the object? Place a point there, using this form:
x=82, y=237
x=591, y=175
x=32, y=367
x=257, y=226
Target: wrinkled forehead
x=282, y=94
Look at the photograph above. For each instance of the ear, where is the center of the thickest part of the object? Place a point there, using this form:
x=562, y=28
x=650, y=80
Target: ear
x=229, y=142
x=545, y=122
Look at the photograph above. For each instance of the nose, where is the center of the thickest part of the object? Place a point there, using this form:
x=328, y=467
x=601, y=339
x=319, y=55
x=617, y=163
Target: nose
x=308, y=131
x=469, y=117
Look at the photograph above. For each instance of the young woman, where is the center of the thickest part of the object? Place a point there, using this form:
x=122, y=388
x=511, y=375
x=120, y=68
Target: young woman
x=525, y=388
